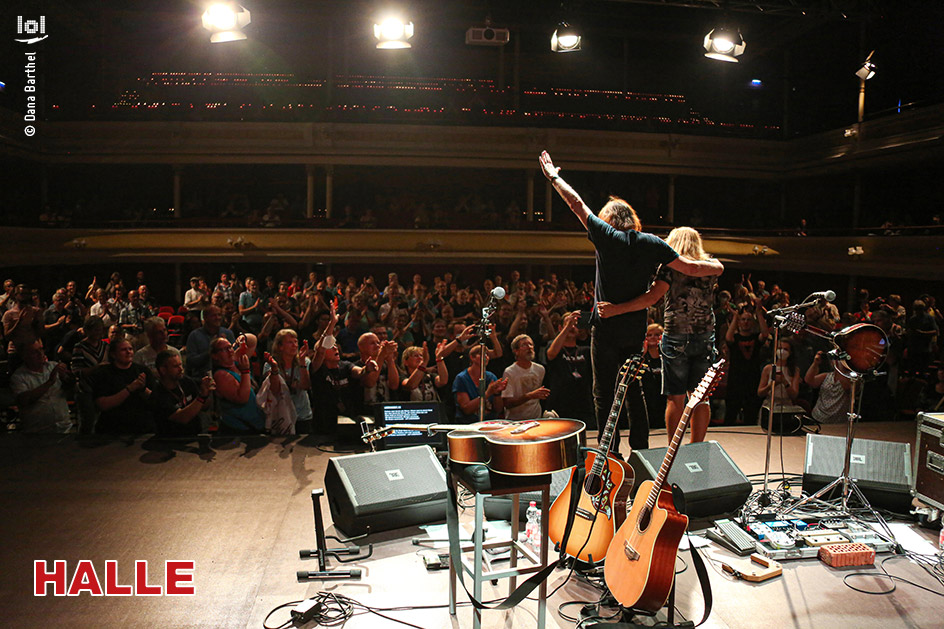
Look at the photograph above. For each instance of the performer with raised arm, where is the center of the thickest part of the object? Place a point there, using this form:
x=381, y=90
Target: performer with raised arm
x=626, y=261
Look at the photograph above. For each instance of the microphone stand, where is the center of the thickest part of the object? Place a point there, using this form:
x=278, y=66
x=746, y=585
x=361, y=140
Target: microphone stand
x=482, y=333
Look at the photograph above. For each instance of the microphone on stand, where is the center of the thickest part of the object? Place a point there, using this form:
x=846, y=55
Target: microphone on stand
x=498, y=293
x=828, y=295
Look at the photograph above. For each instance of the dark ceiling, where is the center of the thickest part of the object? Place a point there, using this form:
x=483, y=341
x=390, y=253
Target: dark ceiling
x=804, y=52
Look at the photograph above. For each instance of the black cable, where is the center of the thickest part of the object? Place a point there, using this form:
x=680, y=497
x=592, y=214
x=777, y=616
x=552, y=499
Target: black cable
x=893, y=578
x=284, y=624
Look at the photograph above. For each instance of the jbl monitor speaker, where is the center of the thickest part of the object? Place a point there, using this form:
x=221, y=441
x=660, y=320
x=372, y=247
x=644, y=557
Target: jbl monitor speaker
x=709, y=480
x=881, y=469
x=385, y=490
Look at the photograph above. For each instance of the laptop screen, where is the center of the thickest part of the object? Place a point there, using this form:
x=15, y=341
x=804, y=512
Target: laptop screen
x=389, y=414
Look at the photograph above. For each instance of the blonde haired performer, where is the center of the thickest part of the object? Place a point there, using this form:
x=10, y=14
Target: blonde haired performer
x=688, y=343
x=626, y=260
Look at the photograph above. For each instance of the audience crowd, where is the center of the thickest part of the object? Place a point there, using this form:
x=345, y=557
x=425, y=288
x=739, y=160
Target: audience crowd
x=307, y=355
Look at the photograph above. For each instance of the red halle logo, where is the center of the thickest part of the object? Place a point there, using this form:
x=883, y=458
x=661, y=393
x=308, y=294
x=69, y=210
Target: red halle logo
x=178, y=579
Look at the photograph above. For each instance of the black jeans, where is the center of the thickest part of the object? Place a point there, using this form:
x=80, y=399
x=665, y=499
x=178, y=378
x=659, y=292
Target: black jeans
x=607, y=356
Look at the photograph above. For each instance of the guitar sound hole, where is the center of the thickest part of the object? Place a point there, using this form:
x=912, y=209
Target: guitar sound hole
x=593, y=485
x=644, y=518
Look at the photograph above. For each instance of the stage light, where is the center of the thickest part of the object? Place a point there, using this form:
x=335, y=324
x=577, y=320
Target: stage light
x=393, y=33
x=867, y=70
x=225, y=20
x=565, y=39
x=724, y=44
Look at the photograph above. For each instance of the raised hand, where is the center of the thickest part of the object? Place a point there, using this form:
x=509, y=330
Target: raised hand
x=547, y=166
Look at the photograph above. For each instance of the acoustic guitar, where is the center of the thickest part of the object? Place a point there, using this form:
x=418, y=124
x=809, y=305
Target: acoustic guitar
x=602, y=504
x=640, y=563
x=523, y=448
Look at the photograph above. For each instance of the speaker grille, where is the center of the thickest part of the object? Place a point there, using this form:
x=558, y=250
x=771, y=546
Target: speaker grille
x=882, y=464
x=392, y=478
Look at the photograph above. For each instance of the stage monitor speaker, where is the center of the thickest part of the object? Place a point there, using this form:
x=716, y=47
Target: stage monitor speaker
x=709, y=480
x=385, y=490
x=881, y=469
x=499, y=507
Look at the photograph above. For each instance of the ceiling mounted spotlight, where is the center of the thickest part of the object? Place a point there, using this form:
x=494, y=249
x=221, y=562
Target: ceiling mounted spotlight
x=565, y=39
x=393, y=34
x=724, y=44
x=226, y=21
x=867, y=70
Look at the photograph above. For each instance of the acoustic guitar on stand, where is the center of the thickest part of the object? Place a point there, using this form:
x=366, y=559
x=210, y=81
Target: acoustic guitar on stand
x=602, y=505
x=640, y=563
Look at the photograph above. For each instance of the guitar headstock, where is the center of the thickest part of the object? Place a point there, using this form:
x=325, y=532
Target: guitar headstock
x=708, y=383
x=632, y=369
x=375, y=435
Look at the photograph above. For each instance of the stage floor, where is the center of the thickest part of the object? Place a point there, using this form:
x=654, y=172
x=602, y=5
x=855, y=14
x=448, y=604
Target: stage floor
x=242, y=512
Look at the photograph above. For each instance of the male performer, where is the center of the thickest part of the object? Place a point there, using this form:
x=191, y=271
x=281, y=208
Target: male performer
x=626, y=261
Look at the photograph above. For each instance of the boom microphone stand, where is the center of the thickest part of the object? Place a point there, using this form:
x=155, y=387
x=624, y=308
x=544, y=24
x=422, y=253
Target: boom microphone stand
x=497, y=294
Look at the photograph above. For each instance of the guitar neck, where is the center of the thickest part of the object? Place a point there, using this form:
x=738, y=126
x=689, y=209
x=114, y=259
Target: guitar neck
x=659, y=481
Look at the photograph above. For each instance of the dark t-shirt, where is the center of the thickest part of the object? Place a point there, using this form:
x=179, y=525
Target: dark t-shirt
x=134, y=414
x=335, y=392
x=570, y=380
x=165, y=403
x=626, y=262
x=744, y=353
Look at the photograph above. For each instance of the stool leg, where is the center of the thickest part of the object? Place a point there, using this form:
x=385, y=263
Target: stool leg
x=513, y=557
x=453, y=559
x=477, y=541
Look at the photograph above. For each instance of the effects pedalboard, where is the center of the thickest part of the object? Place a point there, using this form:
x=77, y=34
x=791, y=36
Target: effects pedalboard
x=793, y=539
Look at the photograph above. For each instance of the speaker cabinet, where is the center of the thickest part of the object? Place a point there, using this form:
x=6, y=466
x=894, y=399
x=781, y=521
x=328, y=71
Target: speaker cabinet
x=929, y=460
x=881, y=469
x=385, y=490
x=709, y=480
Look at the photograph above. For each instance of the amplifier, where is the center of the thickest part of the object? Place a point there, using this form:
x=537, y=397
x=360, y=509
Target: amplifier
x=385, y=490
x=709, y=480
x=881, y=469
x=929, y=460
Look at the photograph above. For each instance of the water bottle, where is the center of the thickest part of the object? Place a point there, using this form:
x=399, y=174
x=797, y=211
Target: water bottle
x=533, y=527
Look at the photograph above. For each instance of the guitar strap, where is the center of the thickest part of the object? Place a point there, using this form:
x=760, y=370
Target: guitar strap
x=702, y=573
x=523, y=590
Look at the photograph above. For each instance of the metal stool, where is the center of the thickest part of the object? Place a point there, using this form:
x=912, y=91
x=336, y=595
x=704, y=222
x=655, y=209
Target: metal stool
x=482, y=483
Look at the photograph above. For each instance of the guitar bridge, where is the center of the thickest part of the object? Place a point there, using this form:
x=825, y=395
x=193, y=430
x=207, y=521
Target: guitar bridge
x=631, y=553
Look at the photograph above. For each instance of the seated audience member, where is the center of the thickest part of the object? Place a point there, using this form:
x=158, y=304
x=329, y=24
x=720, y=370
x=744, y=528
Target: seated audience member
x=101, y=308
x=466, y=390
x=39, y=393
x=133, y=315
x=121, y=390
x=292, y=363
x=54, y=322
x=416, y=383
x=832, y=403
x=156, y=331
x=239, y=413
x=88, y=354
x=523, y=394
x=198, y=342
x=569, y=377
x=178, y=401
x=783, y=377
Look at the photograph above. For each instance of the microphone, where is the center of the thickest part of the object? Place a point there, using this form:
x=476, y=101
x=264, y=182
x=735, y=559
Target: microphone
x=828, y=295
x=498, y=293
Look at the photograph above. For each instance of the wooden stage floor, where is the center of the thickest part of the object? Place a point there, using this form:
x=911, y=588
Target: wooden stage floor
x=243, y=511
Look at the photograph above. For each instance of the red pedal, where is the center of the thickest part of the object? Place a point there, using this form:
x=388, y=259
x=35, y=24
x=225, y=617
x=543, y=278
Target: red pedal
x=839, y=555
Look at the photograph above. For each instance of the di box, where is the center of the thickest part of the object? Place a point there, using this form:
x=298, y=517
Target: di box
x=929, y=460
x=881, y=469
x=385, y=490
x=709, y=480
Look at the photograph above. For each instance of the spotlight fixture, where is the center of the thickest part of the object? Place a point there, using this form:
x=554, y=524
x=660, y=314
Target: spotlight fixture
x=724, y=44
x=393, y=33
x=565, y=39
x=226, y=21
x=867, y=70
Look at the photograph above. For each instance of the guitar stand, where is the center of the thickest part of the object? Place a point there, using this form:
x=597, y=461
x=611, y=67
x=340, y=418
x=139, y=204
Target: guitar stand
x=322, y=552
x=629, y=613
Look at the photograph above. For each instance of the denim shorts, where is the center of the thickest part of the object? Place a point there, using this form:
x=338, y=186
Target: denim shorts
x=685, y=360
